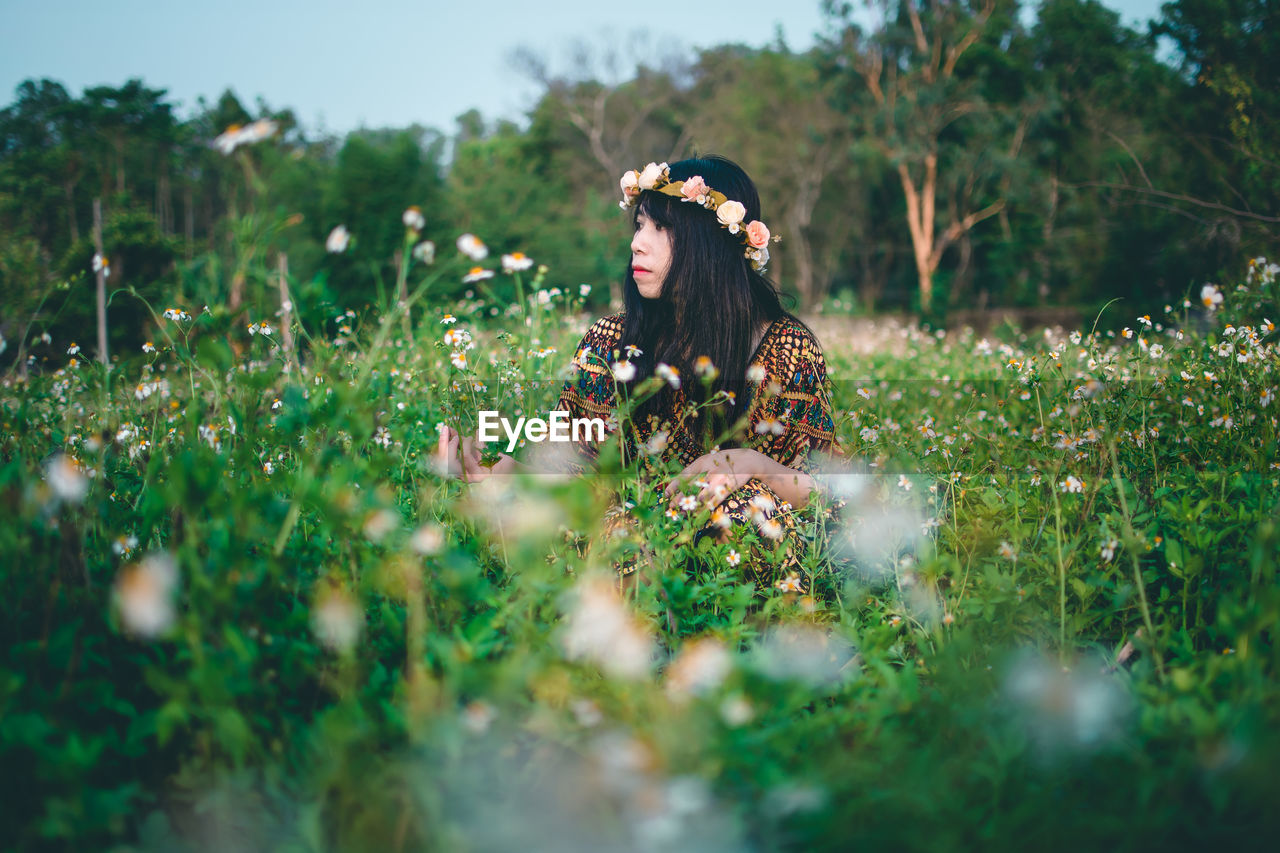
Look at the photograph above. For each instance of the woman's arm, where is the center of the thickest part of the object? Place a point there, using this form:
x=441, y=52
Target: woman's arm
x=726, y=471
x=459, y=456
x=791, y=485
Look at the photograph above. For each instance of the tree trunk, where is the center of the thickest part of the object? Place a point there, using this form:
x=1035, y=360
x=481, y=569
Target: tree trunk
x=402, y=296
x=120, y=164
x=1046, y=240
x=925, y=279
x=102, y=281
x=286, y=315
x=964, y=272
x=164, y=199
x=920, y=214
x=803, y=266
x=69, y=192
x=189, y=219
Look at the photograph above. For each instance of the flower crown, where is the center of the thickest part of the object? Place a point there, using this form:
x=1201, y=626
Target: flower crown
x=657, y=177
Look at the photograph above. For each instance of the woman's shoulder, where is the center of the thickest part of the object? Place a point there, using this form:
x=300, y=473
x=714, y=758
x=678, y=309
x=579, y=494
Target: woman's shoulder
x=792, y=346
x=607, y=328
x=600, y=339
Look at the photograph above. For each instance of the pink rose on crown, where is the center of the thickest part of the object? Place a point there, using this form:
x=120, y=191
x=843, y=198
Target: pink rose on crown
x=695, y=189
x=649, y=177
x=757, y=234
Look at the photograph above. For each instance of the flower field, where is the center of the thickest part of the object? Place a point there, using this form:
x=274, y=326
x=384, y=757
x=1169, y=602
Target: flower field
x=242, y=609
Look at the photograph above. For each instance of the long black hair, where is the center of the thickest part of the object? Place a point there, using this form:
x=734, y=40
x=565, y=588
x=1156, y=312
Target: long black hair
x=712, y=302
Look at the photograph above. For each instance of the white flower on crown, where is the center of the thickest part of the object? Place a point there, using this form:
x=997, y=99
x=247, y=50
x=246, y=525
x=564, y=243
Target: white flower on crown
x=649, y=177
x=630, y=184
x=731, y=214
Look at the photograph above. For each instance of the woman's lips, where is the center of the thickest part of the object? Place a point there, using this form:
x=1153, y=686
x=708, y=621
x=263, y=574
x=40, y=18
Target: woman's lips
x=635, y=269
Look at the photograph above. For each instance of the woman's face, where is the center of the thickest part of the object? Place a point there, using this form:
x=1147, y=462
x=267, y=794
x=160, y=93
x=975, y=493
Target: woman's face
x=650, y=256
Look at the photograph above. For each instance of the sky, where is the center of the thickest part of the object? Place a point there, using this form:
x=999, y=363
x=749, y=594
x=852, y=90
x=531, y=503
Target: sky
x=382, y=63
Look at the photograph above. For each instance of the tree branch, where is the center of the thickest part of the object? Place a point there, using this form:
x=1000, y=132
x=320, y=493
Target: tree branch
x=1210, y=205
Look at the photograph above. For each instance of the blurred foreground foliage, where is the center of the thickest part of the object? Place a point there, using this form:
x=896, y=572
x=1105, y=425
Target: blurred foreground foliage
x=242, y=609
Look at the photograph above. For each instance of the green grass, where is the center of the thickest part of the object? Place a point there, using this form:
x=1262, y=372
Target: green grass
x=345, y=651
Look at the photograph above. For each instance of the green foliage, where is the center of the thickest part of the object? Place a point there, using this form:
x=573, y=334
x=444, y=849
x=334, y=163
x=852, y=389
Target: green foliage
x=1074, y=162
x=250, y=612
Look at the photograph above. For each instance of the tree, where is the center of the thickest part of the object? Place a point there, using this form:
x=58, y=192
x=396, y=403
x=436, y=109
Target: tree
x=1231, y=50
x=42, y=161
x=908, y=67
x=621, y=120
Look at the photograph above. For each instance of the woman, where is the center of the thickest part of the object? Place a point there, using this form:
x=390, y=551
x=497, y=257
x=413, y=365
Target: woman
x=743, y=403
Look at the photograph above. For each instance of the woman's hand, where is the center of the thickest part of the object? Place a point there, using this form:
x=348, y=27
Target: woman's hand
x=719, y=474
x=458, y=457
x=725, y=471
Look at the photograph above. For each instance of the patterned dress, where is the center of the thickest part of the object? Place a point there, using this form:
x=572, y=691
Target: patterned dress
x=789, y=421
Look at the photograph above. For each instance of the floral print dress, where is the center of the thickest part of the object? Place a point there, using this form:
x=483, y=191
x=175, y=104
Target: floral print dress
x=789, y=420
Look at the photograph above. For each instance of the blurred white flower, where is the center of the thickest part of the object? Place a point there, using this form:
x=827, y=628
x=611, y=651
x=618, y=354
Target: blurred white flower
x=623, y=371
x=425, y=252
x=770, y=529
x=656, y=443
x=413, y=218
x=379, y=523
x=802, y=653
x=1210, y=297
x=478, y=716
x=338, y=240
x=477, y=274
x=428, y=539
x=1063, y=708
x=124, y=545
x=470, y=245
x=701, y=667
x=600, y=628
x=144, y=595
x=736, y=711
x=791, y=583
x=586, y=712
x=336, y=619
x=516, y=262
x=236, y=136
x=65, y=475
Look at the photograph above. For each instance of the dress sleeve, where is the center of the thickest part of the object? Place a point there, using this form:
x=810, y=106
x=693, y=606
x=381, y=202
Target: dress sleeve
x=589, y=392
x=800, y=413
